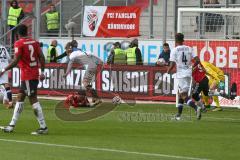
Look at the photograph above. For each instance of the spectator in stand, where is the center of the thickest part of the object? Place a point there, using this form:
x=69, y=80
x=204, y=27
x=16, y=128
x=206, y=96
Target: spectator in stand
x=52, y=21
x=15, y=14
x=163, y=59
x=134, y=55
x=117, y=55
x=52, y=52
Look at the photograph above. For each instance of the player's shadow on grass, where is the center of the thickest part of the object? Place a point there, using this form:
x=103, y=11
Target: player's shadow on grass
x=65, y=114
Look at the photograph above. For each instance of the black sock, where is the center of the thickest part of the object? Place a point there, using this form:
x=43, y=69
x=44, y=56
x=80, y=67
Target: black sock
x=180, y=109
x=9, y=94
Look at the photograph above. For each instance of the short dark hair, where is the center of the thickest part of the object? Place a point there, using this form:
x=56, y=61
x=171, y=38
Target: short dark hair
x=22, y=30
x=52, y=5
x=165, y=45
x=68, y=46
x=14, y=1
x=134, y=42
x=117, y=44
x=74, y=43
x=179, y=37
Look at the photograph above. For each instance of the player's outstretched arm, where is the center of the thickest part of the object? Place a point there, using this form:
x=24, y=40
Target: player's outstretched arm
x=172, y=64
x=12, y=64
x=69, y=68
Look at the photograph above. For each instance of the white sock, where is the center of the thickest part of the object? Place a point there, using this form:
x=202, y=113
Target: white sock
x=200, y=104
x=39, y=114
x=17, y=111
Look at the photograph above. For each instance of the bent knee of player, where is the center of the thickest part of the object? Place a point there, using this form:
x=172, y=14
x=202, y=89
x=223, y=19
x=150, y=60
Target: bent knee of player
x=205, y=93
x=180, y=101
x=184, y=95
x=196, y=96
x=33, y=99
x=21, y=97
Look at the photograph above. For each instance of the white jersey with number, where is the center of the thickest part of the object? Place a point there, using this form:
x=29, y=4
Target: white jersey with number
x=182, y=56
x=4, y=61
x=84, y=58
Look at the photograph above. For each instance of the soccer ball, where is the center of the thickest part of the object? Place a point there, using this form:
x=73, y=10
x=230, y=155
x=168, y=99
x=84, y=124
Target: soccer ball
x=161, y=60
x=116, y=100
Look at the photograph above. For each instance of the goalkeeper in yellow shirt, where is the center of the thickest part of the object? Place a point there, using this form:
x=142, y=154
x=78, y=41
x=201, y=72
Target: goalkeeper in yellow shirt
x=216, y=78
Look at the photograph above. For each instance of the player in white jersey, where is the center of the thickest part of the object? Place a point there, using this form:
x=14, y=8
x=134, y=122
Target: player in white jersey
x=86, y=59
x=6, y=90
x=182, y=57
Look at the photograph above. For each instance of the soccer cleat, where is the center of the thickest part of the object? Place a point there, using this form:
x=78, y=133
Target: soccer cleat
x=177, y=117
x=199, y=115
x=8, y=129
x=217, y=109
x=40, y=131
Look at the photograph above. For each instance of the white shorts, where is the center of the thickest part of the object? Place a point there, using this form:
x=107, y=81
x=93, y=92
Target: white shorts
x=89, y=75
x=184, y=84
x=4, y=78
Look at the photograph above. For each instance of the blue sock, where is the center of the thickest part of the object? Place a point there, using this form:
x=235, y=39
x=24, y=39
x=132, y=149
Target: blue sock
x=192, y=104
x=9, y=94
x=180, y=109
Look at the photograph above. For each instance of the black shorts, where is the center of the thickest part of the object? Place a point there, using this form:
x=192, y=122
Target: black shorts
x=201, y=87
x=29, y=87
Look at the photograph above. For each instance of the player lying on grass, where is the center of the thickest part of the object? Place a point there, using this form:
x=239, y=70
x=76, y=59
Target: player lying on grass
x=6, y=90
x=28, y=56
x=84, y=58
x=78, y=99
x=182, y=57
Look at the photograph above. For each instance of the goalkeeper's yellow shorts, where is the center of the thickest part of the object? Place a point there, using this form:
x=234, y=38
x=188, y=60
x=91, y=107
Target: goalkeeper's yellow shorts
x=212, y=81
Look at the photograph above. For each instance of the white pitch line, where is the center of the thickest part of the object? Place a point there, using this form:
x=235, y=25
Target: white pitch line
x=102, y=149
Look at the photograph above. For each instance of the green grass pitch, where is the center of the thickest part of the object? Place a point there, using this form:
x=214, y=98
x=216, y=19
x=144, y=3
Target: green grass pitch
x=142, y=132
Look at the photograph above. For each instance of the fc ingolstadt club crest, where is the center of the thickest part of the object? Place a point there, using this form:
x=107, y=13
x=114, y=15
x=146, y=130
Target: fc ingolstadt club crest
x=92, y=18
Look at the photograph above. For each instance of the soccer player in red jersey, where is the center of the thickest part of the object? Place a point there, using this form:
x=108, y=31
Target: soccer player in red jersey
x=28, y=57
x=201, y=83
x=78, y=99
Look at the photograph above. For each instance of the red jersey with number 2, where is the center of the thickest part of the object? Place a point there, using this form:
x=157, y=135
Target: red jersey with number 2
x=29, y=50
x=198, y=73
